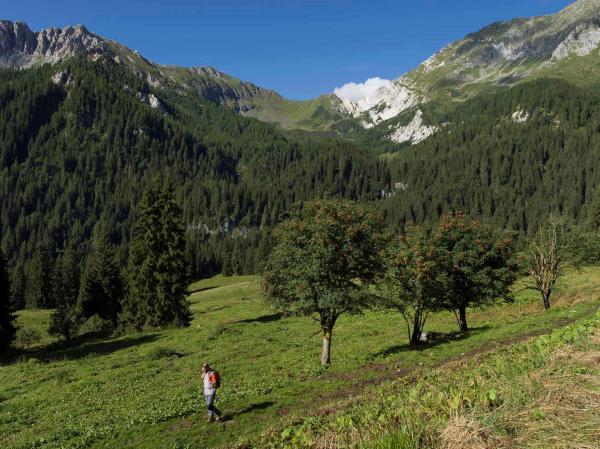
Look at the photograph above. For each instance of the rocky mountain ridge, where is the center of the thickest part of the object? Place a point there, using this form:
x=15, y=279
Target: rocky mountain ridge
x=563, y=45
x=501, y=54
x=22, y=48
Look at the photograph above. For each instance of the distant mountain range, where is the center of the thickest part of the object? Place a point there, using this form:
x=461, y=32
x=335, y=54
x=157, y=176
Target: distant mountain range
x=502, y=125
x=563, y=45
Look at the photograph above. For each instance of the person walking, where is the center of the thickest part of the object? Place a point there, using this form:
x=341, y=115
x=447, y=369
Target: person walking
x=211, y=381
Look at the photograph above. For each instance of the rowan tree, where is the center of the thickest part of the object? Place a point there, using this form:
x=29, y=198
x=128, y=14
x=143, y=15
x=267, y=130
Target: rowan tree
x=415, y=282
x=324, y=259
x=480, y=265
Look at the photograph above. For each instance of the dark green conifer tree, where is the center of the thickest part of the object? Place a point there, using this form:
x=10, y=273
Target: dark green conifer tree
x=593, y=215
x=38, y=290
x=7, y=317
x=67, y=274
x=17, y=284
x=236, y=258
x=156, y=273
x=102, y=286
x=66, y=318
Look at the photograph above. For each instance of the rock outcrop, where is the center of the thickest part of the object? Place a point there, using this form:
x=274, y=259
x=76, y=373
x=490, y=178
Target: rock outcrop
x=503, y=53
x=22, y=48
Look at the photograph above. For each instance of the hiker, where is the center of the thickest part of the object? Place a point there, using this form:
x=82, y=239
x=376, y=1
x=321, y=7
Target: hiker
x=211, y=381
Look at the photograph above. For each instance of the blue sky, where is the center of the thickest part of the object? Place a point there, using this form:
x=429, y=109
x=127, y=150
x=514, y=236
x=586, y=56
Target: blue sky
x=301, y=48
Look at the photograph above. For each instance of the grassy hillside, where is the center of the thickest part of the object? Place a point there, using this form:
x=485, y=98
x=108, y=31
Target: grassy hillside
x=143, y=390
x=544, y=392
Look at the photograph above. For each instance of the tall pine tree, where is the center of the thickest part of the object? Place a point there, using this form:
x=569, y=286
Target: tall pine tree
x=102, y=287
x=66, y=281
x=7, y=317
x=38, y=291
x=156, y=273
x=18, y=283
x=66, y=319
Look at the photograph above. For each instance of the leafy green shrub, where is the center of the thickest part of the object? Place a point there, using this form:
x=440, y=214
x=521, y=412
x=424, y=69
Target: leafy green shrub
x=27, y=337
x=96, y=326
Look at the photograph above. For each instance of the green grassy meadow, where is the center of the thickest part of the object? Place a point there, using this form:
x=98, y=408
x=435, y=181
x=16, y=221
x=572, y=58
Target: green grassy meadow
x=143, y=390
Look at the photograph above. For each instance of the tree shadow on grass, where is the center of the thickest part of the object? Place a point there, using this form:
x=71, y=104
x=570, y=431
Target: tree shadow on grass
x=254, y=407
x=433, y=339
x=251, y=408
x=263, y=319
x=202, y=289
x=97, y=347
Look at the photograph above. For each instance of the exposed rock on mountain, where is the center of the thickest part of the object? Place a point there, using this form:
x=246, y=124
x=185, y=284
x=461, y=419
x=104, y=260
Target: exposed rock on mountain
x=501, y=54
x=22, y=48
x=384, y=104
x=414, y=132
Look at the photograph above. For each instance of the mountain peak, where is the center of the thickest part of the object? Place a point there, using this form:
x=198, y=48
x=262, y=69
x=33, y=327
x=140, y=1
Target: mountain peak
x=580, y=10
x=20, y=47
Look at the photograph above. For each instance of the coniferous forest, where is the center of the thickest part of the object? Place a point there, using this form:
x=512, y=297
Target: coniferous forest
x=75, y=158
x=511, y=175
x=76, y=154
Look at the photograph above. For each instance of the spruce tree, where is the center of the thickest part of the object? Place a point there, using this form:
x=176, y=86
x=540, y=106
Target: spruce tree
x=7, y=317
x=65, y=319
x=593, y=215
x=102, y=285
x=236, y=258
x=66, y=280
x=39, y=291
x=18, y=282
x=156, y=272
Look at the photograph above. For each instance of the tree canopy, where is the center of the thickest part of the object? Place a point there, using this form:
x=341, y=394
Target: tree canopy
x=327, y=253
x=480, y=265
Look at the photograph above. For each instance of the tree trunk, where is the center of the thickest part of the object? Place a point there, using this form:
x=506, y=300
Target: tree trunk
x=326, y=354
x=415, y=337
x=546, y=298
x=462, y=319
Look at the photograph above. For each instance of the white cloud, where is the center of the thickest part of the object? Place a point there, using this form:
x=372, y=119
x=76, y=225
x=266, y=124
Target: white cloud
x=358, y=91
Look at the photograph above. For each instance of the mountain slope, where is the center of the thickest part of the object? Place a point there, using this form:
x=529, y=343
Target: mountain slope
x=563, y=45
x=510, y=158
x=21, y=48
x=77, y=149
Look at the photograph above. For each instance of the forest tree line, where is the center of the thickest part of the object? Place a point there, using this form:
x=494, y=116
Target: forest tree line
x=75, y=158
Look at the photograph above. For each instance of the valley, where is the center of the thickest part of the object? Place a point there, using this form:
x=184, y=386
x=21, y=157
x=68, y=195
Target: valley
x=435, y=240
x=143, y=390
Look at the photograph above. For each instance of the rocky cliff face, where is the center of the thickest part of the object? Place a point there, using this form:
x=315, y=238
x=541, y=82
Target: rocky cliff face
x=22, y=48
x=503, y=53
x=221, y=88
